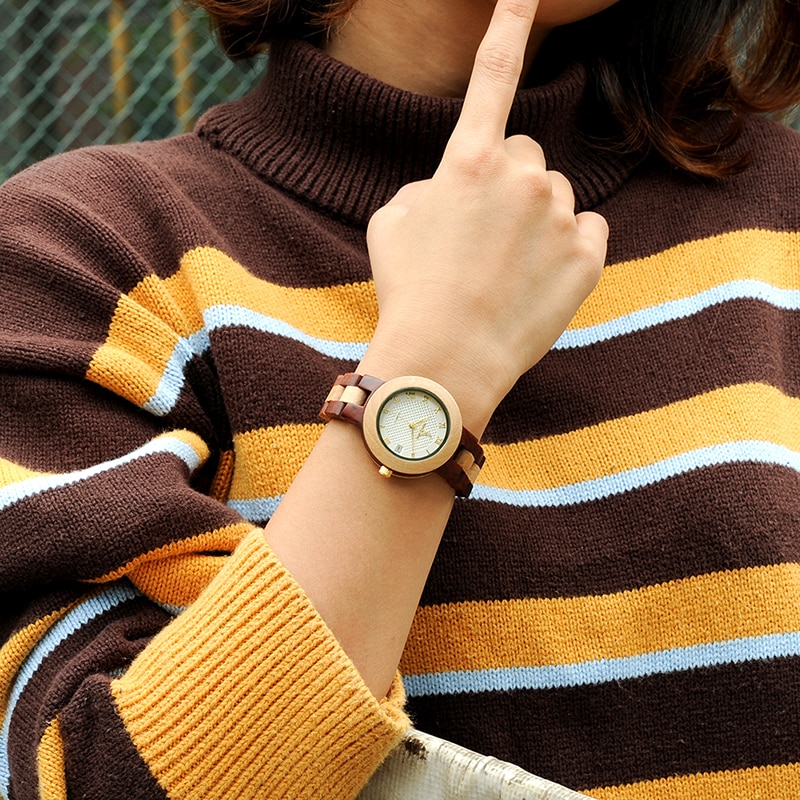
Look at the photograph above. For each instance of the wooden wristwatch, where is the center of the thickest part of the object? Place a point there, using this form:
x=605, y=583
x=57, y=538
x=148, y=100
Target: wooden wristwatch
x=411, y=427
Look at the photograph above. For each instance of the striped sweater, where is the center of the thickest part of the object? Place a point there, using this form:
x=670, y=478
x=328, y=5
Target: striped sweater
x=617, y=605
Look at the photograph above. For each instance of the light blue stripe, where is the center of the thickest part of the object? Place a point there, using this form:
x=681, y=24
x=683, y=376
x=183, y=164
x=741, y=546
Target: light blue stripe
x=32, y=486
x=587, y=673
x=173, y=611
x=259, y=509
x=71, y=622
x=598, y=488
x=171, y=383
x=226, y=316
x=787, y=299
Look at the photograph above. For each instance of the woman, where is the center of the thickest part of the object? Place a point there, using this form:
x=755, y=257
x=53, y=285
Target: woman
x=614, y=607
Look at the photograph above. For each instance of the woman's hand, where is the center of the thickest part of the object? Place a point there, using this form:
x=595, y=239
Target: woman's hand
x=479, y=269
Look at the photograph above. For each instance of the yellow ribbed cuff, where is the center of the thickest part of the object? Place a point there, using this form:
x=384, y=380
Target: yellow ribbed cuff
x=249, y=694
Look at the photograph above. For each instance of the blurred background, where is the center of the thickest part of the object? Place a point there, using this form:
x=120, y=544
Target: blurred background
x=78, y=72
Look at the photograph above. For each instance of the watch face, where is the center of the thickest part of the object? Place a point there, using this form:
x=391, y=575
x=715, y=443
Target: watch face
x=413, y=424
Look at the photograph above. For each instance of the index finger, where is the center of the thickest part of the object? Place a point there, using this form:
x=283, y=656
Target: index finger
x=497, y=70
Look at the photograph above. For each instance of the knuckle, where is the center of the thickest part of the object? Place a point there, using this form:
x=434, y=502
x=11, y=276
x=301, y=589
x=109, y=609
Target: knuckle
x=524, y=148
x=560, y=178
x=474, y=161
x=536, y=183
x=499, y=63
x=378, y=217
x=603, y=230
x=521, y=10
x=381, y=221
x=589, y=260
x=536, y=150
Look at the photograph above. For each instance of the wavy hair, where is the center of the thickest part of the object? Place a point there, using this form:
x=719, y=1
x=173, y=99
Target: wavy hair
x=660, y=70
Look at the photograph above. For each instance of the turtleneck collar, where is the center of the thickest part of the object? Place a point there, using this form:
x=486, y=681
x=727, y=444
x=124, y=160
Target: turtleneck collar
x=346, y=142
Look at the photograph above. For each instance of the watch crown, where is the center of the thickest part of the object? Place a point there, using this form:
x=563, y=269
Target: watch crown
x=385, y=471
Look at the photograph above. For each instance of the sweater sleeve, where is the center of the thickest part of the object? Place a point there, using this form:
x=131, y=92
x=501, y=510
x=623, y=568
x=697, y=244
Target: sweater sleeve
x=151, y=645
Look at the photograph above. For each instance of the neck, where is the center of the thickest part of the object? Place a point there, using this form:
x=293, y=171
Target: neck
x=418, y=45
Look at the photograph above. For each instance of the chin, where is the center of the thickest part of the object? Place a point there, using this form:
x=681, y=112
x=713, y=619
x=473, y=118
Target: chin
x=561, y=12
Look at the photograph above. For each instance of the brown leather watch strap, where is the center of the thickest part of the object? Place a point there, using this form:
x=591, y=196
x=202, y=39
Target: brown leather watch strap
x=346, y=400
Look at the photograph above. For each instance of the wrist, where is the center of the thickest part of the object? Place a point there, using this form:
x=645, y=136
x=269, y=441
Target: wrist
x=396, y=354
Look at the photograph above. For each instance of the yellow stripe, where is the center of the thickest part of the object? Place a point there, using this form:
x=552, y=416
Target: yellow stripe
x=349, y=312
x=188, y=437
x=222, y=539
x=673, y=274
x=147, y=325
x=11, y=473
x=170, y=300
x=136, y=351
x=176, y=573
x=346, y=313
x=758, y=783
x=149, y=321
x=50, y=760
x=735, y=413
x=540, y=632
x=17, y=648
x=268, y=459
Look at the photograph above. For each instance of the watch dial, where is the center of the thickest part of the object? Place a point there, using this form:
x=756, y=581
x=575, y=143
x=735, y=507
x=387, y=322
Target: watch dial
x=413, y=424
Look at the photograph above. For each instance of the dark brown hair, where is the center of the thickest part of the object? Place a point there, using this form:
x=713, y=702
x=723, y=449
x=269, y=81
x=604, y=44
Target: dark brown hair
x=672, y=77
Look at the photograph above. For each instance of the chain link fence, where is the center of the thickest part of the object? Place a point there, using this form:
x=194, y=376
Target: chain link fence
x=79, y=72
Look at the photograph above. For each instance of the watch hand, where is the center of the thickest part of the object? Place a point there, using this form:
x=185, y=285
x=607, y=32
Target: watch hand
x=415, y=433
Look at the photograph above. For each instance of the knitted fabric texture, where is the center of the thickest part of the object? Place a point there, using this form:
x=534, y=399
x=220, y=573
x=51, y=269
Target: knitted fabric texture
x=615, y=608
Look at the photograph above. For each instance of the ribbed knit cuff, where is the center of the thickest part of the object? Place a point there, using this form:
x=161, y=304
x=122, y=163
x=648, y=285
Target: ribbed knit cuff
x=249, y=694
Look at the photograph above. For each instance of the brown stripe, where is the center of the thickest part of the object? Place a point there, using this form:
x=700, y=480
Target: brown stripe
x=106, y=222
x=750, y=516
x=21, y=609
x=92, y=730
x=568, y=389
x=576, y=388
x=45, y=291
x=723, y=718
x=182, y=178
x=167, y=509
x=668, y=207
x=101, y=758
x=43, y=419
x=299, y=378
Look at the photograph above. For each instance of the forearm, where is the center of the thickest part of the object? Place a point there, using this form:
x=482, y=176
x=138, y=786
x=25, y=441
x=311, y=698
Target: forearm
x=361, y=547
